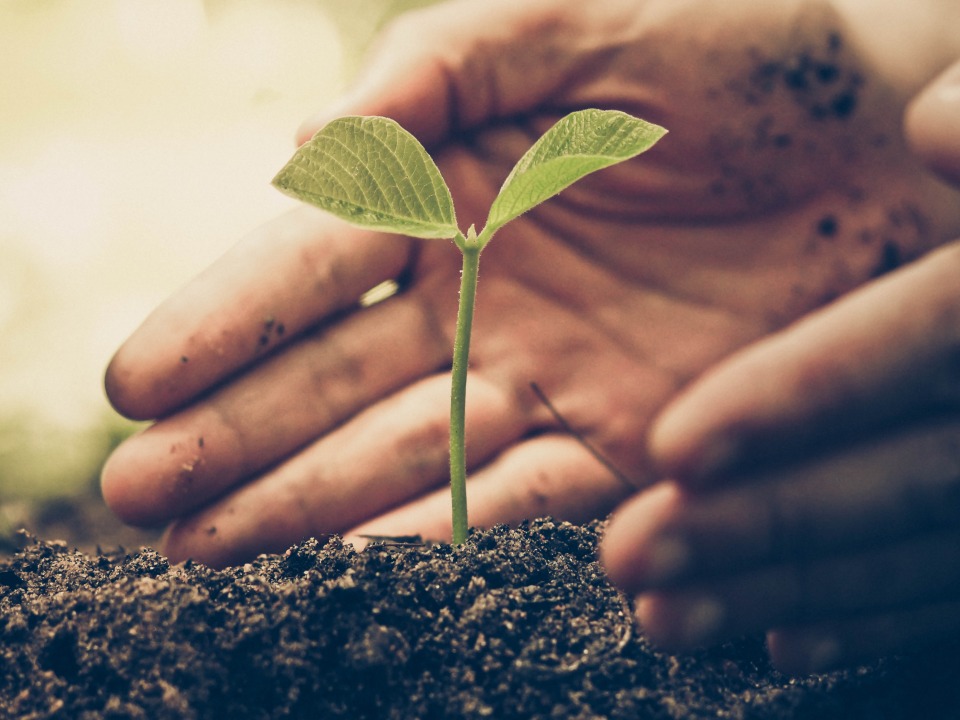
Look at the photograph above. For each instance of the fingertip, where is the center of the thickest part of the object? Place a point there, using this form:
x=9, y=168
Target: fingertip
x=628, y=552
x=169, y=469
x=683, y=447
x=215, y=537
x=179, y=544
x=932, y=124
x=119, y=384
x=117, y=486
x=650, y=612
x=679, y=624
x=169, y=549
x=147, y=376
x=670, y=444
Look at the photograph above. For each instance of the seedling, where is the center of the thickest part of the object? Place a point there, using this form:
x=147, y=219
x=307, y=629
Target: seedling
x=372, y=173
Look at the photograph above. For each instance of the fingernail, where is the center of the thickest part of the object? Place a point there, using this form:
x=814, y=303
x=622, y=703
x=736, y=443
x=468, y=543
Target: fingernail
x=702, y=621
x=667, y=560
x=823, y=654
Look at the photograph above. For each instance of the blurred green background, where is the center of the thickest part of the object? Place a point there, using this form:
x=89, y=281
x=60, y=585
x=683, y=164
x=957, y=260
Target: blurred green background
x=137, y=142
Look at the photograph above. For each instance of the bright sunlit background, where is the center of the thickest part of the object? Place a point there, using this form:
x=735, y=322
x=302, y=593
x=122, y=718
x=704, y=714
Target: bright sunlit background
x=137, y=142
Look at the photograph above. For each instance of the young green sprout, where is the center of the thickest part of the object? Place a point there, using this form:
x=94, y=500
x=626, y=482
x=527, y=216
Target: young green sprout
x=372, y=173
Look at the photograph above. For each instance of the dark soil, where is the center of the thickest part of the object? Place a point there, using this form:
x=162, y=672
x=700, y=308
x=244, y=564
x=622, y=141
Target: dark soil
x=513, y=624
x=81, y=521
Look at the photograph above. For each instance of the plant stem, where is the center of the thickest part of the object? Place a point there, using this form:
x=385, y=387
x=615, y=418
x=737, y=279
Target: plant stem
x=458, y=391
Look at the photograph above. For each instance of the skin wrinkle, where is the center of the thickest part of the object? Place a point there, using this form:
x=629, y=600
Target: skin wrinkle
x=557, y=293
x=439, y=326
x=239, y=443
x=478, y=454
x=580, y=413
x=843, y=276
x=345, y=366
x=560, y=295
x=436, y=330
x=330, y=277
x=339, y=462
x=537, y=219
x=514, y=381
x=599, y=65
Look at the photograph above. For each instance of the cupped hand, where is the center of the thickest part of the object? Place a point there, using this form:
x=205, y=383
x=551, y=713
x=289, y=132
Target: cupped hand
x=286, y=410
x=817, y=472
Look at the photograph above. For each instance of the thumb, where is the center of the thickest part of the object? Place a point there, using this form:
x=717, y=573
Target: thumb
x=451, y=67
x=933, y=124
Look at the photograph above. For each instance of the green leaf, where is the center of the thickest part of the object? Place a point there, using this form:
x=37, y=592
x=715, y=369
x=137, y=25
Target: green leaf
x=577, y=145
x=372, y=173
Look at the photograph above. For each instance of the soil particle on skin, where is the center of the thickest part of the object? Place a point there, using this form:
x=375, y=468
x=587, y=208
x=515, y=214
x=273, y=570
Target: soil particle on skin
x=270, y=325
x=513, y=624
x=890, y=259
x=820, y=80
x=827, y=226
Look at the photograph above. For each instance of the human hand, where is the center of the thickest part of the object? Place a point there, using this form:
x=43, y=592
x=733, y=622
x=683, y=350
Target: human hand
x=817, y=472
x=286, y=411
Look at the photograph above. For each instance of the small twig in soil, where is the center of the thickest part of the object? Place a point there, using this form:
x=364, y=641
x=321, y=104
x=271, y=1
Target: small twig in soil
x=396, y=540
x=601, y=458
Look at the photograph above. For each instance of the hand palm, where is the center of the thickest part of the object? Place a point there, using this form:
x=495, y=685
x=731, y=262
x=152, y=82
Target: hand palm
x=782, y=184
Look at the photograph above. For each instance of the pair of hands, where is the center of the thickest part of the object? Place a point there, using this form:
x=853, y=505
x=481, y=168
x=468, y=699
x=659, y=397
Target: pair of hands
x=652, y=301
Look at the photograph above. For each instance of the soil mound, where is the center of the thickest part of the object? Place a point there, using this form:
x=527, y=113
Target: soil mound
x=513, y=624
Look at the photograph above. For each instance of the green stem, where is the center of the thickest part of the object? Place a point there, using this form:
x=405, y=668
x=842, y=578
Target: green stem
x=458, y=392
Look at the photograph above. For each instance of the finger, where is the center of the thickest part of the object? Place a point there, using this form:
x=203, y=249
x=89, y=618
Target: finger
x=297, y=395
x=879, y=492
x=826, y=646
x=911, y=573
x=879, y=354
x=548, y=475
x=932, y=124
x=281, y=279
x=451, y=66
x=392, y=451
